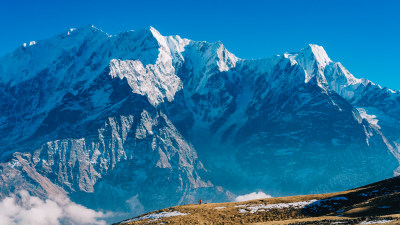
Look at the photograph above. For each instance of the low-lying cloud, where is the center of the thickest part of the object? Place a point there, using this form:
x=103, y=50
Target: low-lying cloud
x=26, y=209
x=252, y=196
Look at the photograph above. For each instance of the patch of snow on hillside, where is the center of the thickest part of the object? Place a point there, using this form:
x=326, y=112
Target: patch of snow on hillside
x=377, y=221
x=261, y=207
x=242, y=211
x=157, y=216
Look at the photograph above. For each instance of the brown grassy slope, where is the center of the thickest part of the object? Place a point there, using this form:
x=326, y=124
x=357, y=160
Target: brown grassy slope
x=378, y=201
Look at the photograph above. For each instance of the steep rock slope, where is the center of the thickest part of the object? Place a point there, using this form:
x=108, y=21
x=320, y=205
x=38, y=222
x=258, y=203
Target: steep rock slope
x=85, y=112
x=288, y=121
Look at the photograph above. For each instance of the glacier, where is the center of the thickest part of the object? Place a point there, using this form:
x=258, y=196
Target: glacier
x=138, y=121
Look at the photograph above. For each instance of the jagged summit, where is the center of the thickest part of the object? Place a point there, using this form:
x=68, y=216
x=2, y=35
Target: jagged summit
x=312, y=57
x=318, y=52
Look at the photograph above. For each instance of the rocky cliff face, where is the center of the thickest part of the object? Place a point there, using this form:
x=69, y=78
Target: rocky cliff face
x=140, y=121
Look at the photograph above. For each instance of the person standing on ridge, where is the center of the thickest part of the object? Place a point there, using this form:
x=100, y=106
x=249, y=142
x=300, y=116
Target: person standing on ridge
x=200, y=202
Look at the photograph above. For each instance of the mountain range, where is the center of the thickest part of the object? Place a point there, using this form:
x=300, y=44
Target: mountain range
x=139, y=121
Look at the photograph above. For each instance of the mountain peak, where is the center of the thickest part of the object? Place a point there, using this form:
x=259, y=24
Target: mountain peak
x=157, y=35
x=152, y=29
x=318, y=53
x=310, y=56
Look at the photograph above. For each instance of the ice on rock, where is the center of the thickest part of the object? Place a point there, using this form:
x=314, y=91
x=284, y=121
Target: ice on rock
x=226, y=60
x=152, y=81
x=158, y=82
x=372, y=119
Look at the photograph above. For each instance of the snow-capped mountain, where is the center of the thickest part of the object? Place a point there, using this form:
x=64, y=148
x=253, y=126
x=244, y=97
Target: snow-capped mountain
x=139, y=121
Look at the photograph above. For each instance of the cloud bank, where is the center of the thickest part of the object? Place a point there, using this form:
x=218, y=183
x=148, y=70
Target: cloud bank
x=252, y=196
x=25, y=209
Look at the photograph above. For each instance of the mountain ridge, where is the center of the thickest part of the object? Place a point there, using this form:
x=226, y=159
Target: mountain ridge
x=186, y=119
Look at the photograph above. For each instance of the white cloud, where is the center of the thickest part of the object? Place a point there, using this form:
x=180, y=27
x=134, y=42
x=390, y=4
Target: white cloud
x=136, y=207
x=25, y=209
x=252, y=196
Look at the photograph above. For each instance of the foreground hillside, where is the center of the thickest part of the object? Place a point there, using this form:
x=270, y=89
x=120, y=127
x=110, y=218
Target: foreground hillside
x=371, y=204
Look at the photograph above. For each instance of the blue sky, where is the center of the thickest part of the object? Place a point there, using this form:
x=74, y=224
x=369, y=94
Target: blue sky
x=363, y=35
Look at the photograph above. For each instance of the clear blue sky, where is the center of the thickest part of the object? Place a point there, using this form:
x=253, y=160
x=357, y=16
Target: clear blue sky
x=363, y=35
